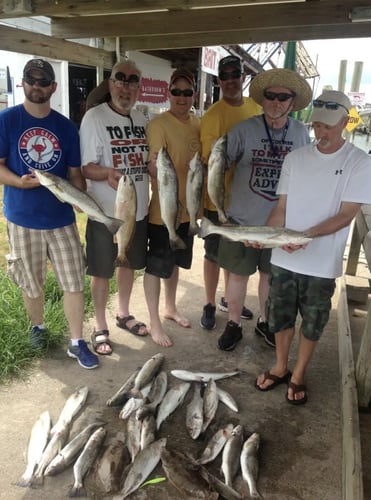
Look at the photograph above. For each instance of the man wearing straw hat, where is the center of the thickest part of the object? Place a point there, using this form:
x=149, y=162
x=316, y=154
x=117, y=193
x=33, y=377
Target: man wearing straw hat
x=258, y=146
x=321, y=189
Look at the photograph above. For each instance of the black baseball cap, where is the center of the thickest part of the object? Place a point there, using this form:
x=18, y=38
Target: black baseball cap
x=230, y=61
x=41, y=65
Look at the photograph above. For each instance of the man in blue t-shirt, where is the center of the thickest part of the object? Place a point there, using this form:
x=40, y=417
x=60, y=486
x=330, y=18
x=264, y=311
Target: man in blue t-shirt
x=34, y=136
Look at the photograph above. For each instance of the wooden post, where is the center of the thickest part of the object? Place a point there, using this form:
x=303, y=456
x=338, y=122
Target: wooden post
x=363, y=368
x=351, y=445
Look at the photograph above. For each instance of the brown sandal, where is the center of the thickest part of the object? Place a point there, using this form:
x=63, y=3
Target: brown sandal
x=122, y=323
x=275, y=379
x=99, y=338
x=297, y=388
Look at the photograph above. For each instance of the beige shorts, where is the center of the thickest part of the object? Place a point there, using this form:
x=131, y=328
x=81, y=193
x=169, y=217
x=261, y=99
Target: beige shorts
x=30, y=250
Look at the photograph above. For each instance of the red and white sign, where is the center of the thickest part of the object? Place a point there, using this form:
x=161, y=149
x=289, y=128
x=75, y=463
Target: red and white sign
x=153, y=91
x=210, y=59
x=357, y=98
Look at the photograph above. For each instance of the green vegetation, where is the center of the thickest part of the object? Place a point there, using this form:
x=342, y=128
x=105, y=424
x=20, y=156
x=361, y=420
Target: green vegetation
x=15, y=354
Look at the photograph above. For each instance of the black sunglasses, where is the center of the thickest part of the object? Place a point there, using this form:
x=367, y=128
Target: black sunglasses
x=230, y=75
x=43, y=82
x=328, y=105
x=179, y=92
x=130, y=79
x=281, y=96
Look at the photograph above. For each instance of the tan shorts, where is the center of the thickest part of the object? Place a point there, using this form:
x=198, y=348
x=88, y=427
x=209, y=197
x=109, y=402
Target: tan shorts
x=31, y=248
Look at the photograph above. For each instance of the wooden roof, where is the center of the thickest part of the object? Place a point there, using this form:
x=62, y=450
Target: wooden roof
x=156, y=25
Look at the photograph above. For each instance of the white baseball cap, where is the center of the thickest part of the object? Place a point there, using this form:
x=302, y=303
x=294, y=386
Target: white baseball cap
x=330, y=107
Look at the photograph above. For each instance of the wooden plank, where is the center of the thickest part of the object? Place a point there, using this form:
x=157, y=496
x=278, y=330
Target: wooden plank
x=351, y=445
x=26, y=42
x=284, y=15
x=363, y=366
x=358, y=288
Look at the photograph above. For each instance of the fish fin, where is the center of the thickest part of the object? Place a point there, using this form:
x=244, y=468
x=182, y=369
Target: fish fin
x=77, y=491
x=177, y=244
x=37, y=480
x=122, y=262
x=113, y=225
x=24, y=482
x=222, y=217
x=193, y=229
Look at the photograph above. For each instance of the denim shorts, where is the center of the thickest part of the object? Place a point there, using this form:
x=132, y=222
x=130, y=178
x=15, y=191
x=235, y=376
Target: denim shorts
x=291, y=293
x=161, y=259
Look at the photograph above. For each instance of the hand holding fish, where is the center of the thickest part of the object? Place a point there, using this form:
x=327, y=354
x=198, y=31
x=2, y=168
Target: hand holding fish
x=29, y=181
x=113, y=177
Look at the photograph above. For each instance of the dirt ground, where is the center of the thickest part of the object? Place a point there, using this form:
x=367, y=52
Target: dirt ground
x=300, y=455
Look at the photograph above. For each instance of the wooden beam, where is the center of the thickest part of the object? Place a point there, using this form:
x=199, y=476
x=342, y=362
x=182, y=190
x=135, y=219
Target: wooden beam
x=67, y=8
x=244, y=36
x=26, y=42
x=258, y=17
x=351, y=440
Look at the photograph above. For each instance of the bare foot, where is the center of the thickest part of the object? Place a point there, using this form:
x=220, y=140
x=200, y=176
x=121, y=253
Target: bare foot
x=179, y=320
x=159, y=337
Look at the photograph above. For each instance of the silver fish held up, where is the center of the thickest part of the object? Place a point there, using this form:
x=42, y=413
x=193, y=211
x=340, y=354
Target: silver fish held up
x=125, y=210
x=169, y=202
x=268, y=236
x=37, y=442
x=194, y=185
x=217, y=165
x=68, y=193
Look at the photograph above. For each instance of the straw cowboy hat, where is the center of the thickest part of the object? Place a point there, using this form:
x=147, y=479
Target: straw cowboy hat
x=286, y=78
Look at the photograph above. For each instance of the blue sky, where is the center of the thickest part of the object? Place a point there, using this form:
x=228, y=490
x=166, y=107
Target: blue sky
x=329, y=53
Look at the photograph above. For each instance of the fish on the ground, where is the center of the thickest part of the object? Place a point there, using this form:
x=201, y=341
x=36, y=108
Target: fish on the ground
x=211, y=401
x=172, y=399
x=125, y=210
x=225, y=491
x=108, y=468
x=134, y=430
x=71, y=408
x=155, y=396
x=131, y=405
x=145, y=375
x=217, y=165
x=185, y=476
x=56, y=443
x=68, y=193
x=122, y=395
x=268, y=236
x=231, y=455
x=148, y=431
x=168, y=194
x=36, y=444
x=86, y=460
x=249, y=463
x=143, y=465
x=194, y=413
x=190, y=376
x=227, y=399
x=68, y=453
x=194, y=185
x=215, y=444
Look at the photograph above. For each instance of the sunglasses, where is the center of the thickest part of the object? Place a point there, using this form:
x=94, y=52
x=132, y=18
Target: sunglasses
x=179, y=92
x=281, y=96
x=328, y=105
x=229, y=75
x=120, y=80
x=42, y=82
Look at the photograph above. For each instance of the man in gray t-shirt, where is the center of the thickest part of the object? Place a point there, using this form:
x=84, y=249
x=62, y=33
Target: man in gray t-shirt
x=258, y=147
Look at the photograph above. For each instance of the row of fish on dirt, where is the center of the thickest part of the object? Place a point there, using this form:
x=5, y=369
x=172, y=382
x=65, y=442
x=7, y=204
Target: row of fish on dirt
x=121, y=465
x=123, y=224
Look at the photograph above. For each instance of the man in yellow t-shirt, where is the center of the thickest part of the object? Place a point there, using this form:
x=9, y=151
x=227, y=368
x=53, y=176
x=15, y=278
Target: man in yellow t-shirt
x=231, y=109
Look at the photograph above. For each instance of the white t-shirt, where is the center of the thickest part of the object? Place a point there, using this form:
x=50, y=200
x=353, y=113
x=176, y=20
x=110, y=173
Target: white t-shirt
x=114, y=140
x=316, y=184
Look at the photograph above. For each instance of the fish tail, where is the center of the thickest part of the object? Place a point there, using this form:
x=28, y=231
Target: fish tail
x=205, y=227
x=122, y=262
x=37, y=480
x=222, y=217
x=77, y=491
x=25, y=482
x=114, y=225
x=177, y=243
x=194, y=228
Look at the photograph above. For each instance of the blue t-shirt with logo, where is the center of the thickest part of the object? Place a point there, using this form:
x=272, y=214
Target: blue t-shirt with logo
x=49, y=144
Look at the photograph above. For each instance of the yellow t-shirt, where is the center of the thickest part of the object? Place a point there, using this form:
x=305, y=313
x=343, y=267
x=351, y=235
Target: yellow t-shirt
x=182, y=141
x=219, y=119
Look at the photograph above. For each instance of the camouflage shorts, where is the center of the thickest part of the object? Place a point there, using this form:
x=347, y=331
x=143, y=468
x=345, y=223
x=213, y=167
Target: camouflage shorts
x=291, y=293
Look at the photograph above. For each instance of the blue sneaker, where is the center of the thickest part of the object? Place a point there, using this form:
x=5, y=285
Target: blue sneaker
x=84, y=356
x=38, y=338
